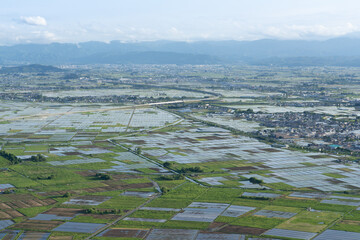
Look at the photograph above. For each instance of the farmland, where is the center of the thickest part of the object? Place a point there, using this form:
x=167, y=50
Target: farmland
x=192, y=160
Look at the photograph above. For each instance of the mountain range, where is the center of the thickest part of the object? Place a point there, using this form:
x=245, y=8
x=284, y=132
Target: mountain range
x=343, y=51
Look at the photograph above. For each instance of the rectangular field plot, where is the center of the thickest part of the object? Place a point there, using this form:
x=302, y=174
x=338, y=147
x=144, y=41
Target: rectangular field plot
x=236, y=211
x=61, y=137
x=26, y=202
x=249, y=185
x=154, y=118
x=161, y=209
x=79, y=227
x=307, y=195
x=260, y=238
x=221, y=206
x=338, y=202
x=128, y=156
x=309, y=221
x=173, y=234
x=64, y=212
x=10, y=214
x=290, y=234
x=60, y=151
x=198, y=215
x=214, y=181
x=2, y=235
x=274, y=214
x=34, y=236
x=48, y=217
x=219, y=236
x=201, y=212
x=5, y=224
x=242, y=230
x=345, y=198
x=38, y=225
x=127, y=162
x=124, y=233
x=77, y=161
x=88, y=200
x=314, y=177
x=155, y=152
x=6, y=186
x=94, y=151
x=240, y=124
x=9, y=234
x=145, y=219
x=265, y=179
x=261, y=195
x=139, y=194
x=336, y=234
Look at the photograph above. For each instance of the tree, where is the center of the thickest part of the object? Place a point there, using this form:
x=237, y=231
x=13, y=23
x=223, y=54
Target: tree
x=167, y=164
x=249, y=110
x=255, y=180
x=37, y=158
x=8, y=191
x=164, y=190
x=10, y=157
x=103, y=176
x=196, y=169
x=138, y=150
x=67, y=194
x=172, y=177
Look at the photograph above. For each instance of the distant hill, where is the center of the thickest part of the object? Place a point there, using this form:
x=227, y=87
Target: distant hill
x=148, y=58
x=32, y=68
x=340, y=61
x=343, y=51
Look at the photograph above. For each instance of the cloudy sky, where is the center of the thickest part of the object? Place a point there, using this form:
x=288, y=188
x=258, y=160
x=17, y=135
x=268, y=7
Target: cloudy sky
x=44, y=21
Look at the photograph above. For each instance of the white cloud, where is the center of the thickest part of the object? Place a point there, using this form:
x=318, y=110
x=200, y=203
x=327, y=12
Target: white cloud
x=35, y=20
x=34, y=37
x=309, y=31
x=46, y=35
x=223, y=29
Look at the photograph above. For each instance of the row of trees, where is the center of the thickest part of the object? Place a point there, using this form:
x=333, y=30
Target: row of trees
x=103, y=211
x=15, y=160
x=172, y=177
x=10, y=157
x=37, y=158
x=103, y=176
x=191, y=170
x=184, y=170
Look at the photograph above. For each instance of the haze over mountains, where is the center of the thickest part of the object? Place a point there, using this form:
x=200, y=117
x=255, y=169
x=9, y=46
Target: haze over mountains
x=343, y=51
